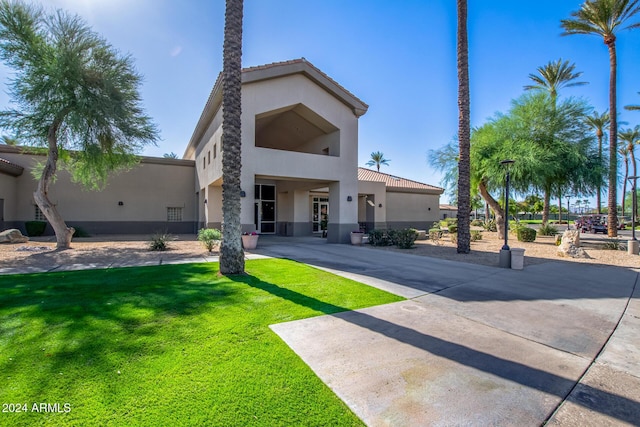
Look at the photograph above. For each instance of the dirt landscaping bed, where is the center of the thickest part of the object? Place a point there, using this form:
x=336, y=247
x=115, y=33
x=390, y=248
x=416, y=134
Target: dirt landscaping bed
x=106, y=249
x=110, y=249
x=543, y=249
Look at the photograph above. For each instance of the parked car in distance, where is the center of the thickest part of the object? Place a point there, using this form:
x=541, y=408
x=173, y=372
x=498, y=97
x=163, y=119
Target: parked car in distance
x=592, y=224
x=623, y=221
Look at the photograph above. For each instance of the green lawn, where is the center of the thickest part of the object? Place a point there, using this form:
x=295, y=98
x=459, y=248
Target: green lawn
x=168, y=346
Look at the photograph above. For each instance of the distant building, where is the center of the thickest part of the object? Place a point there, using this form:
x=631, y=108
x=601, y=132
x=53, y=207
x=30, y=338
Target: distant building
x=448, y=211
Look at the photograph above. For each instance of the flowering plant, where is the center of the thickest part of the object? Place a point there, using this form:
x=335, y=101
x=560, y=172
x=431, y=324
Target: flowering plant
x=253, y=233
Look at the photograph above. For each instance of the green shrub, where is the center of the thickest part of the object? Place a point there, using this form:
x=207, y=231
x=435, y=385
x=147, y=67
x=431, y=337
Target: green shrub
x=477, y=223
x=547, y=230
x=209, y=237
x=453, y=237
x=35, y=228
x=476, y=235
x=613, y=244
x=453, y=228
x=526, y=234
x=160, y=241
x=490, y=226
x=405, y=238
x=380, y=238
x=435, y=234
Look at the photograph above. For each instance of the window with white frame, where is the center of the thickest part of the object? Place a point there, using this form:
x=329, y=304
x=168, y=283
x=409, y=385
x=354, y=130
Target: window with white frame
x=39, y=216
x=174, y=214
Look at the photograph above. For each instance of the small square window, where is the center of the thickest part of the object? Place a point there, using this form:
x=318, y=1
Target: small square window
x=39, y=216
x=174, y=214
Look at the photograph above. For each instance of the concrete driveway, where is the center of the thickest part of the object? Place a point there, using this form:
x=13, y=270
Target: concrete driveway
x=555, y=343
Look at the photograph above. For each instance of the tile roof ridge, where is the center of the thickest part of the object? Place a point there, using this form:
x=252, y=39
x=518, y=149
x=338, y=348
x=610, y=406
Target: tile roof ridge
x=399, y=177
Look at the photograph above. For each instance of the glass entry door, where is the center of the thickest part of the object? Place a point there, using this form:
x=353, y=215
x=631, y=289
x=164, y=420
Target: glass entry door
x=265, y=208
x=320, y=214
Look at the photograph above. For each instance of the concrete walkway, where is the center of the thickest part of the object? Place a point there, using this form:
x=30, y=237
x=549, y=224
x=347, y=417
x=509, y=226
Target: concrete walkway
x=556, y=343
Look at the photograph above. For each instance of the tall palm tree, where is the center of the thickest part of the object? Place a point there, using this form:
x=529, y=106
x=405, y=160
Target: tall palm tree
x=624, y=152
x=231, y=254
x=604, y=18
x=464, y=133
x=598, y=122
x=632, y=107
x=630, y=138
x=377, y=159
x=553, y=76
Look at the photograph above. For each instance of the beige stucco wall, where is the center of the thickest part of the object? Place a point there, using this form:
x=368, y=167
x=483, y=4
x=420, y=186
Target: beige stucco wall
x=146, y=191
x=8, y=192
x=337, y=172
x=410, y=208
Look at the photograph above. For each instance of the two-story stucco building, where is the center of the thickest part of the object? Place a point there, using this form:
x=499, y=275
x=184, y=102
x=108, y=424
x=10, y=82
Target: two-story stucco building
x=299, y=171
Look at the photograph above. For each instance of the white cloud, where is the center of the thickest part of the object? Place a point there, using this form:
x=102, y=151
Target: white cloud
x=176, y=51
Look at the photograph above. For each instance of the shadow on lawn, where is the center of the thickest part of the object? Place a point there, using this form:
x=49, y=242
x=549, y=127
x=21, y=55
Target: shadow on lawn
x=100, y=319
x=617, y=406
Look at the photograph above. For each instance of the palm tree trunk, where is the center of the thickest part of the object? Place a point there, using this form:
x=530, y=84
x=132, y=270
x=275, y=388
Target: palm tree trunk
x=231, y=253
x=624, y=182
x=599, y=189
x=495, y=206
x=41, y=195
x=612, y=217
x=464, y=131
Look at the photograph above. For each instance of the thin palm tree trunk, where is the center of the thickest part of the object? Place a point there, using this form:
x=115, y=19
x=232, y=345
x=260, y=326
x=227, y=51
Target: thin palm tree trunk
x=612, y=217
x=599, y=190
x=464, y=131
x=231, y=253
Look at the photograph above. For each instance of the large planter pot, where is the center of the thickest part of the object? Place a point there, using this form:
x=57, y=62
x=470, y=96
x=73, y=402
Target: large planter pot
x=356, y=238
x=250, y=241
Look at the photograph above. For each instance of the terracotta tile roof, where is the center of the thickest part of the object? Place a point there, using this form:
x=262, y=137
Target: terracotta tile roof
x=10, y=168
x=449, y=207
x=395, y=182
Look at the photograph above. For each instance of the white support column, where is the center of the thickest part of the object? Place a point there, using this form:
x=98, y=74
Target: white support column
x=343, y=213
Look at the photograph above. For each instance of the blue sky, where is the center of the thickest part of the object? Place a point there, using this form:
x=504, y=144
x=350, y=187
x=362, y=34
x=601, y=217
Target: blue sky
x=397, y=56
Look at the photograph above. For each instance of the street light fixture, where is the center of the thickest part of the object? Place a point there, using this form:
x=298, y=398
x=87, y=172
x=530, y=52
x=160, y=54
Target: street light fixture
x=505, y=253
x=632, y=246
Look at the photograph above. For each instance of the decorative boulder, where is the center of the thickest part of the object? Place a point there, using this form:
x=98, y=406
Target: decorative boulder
x=12, y=235
x=570, y=245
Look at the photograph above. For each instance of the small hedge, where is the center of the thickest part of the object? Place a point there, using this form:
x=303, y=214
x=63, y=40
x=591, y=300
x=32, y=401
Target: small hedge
x=209, y=237
x=35, y=228
x=380, y=238
x=476, y=235
x=548, y=230
x=526, y=234
x=490, y=226
x=453, y=228
x=477, y=223
x=405, y=238
x=435, y=234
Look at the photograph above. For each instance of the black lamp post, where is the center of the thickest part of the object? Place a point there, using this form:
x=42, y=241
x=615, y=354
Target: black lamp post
x=505, y=252
x=506, y=164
